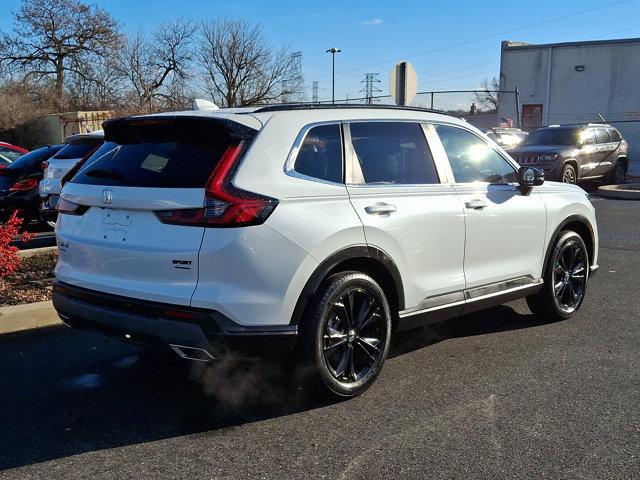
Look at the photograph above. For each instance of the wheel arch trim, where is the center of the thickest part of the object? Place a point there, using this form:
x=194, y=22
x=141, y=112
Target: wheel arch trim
x=350, y=253
x=559, y=228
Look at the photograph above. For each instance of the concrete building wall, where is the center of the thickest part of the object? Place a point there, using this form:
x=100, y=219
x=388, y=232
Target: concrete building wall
x=574, y=82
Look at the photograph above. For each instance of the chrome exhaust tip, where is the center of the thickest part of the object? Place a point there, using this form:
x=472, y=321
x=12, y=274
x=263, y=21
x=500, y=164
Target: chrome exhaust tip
x=192, y=353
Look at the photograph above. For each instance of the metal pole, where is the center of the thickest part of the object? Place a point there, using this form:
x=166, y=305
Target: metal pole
x=517, y=95
x=431, y=100
x=402, y=74
x=333, y=52
x=333, y=77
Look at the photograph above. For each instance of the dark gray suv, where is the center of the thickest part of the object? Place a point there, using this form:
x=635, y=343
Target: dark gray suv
x=572, y=153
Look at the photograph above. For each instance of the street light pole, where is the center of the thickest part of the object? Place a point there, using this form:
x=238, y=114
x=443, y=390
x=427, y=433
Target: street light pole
x=333, y=52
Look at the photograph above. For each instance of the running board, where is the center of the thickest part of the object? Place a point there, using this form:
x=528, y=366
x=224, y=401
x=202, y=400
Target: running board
x=450, y=305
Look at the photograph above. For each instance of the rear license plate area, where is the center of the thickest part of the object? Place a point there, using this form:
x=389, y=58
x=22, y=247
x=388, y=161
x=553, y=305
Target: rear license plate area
x=116, y=225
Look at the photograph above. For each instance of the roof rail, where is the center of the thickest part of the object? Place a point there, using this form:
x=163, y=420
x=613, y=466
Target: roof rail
x=328, y=106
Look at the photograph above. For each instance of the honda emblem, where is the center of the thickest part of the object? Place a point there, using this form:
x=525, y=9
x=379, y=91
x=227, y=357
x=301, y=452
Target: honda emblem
x=107, y=196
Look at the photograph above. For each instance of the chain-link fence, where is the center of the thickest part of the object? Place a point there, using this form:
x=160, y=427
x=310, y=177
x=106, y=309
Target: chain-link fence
x=479, y=107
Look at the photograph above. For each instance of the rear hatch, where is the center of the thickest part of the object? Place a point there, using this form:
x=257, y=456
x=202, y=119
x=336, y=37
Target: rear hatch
x=130, y=219
x=65, y=160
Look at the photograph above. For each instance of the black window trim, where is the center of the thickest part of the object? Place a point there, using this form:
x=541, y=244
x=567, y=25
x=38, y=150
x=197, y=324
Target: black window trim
x=495, y=148
x=350, y=154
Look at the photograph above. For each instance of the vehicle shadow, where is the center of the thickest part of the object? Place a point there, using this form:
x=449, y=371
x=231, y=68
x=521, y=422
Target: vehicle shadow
x=66, y=392
x=493, y=320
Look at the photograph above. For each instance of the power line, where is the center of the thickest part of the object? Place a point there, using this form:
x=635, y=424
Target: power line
x=485, y=37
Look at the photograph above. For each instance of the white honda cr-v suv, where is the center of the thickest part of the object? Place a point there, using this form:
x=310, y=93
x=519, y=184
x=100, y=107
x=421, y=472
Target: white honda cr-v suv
x=315, y=231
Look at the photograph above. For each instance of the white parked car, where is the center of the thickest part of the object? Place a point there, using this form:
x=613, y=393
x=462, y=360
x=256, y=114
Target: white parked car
x=77, y=147
x=316, y=231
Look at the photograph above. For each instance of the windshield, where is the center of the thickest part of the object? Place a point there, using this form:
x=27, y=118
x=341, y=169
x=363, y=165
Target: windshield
x=28, y=160
x=553, y=136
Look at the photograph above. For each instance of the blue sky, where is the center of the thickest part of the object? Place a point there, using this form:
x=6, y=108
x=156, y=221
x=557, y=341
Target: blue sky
x=452, y=44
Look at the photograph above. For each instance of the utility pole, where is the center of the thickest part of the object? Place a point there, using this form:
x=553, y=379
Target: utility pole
x=333, y=52
x=314, y=92
x=370, y=79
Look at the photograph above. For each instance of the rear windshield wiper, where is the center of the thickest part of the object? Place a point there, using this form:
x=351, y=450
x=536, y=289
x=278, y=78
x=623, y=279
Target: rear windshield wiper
x=104, y=173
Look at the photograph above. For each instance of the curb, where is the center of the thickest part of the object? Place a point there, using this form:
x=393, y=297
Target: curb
x=620, y=191
x=16, y=318
x=32, y=252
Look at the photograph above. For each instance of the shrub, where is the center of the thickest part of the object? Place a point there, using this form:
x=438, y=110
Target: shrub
x=9, y=259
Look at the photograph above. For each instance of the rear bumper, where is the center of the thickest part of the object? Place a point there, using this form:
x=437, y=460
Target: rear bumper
x=168, y=326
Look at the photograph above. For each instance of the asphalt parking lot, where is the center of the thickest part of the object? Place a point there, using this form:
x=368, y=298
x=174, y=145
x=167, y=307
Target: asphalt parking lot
x=498, y=394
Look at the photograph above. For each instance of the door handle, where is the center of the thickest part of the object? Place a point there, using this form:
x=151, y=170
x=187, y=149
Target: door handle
x=475, y=204
x=380, y=209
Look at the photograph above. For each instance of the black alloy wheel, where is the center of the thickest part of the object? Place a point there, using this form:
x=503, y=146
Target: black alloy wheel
x=569, y=276
x=345, y=339
x=354, y=335
x=565, y=279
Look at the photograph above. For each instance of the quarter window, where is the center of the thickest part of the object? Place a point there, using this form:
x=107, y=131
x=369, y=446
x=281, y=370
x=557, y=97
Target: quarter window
x=615, y=135
x=320, y=155
x=393, y=153
x=472, y=159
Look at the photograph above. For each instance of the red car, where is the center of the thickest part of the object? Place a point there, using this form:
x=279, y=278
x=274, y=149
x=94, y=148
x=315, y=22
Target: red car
x=9, y=153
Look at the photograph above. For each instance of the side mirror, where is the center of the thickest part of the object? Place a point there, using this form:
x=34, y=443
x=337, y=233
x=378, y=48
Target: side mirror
x=529, y=177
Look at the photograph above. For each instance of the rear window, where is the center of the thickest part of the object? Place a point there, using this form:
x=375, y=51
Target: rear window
x=171, y=154
x=29, y=160
x=9, y=155
x=76, y=149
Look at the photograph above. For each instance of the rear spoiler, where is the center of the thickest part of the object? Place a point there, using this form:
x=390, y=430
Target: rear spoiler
x=179, y=128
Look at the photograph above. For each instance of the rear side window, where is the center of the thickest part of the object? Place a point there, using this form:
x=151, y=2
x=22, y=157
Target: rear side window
x=320, y=155
x=614, y=135
x=602, y=136
x=472, y=159
x=76, y=149
x=393, y=153
x=157, y=154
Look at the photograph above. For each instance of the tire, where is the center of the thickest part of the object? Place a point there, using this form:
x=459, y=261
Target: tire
x=565, y=279
x=569, y=174
x=345, y=339
x=618, y=174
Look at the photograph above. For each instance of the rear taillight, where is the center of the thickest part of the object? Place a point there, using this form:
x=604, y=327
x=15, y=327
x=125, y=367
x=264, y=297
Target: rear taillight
x=225, y=204
x=23, y=185
x=70, y=208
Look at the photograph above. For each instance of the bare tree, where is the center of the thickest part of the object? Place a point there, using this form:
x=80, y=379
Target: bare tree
x=239, y=65
x=53, y=37
x=489, y=96
x=21, y=102
x=156, y=67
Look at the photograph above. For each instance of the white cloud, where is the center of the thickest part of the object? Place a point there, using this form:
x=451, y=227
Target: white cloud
x=371, y=23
